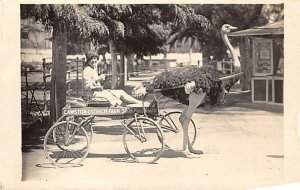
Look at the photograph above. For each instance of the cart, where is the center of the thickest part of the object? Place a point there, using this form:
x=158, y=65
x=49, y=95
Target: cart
x=148, y=131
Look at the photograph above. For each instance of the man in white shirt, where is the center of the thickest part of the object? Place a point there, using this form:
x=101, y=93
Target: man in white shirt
x=92, y=84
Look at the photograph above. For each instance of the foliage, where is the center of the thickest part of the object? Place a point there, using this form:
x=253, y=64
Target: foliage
x=74, y=18
x=270, y=13
x=206, y=80
x=149, y=26
x=242, y=16
x=138, y=28
x=210, y=41
x=143, y=29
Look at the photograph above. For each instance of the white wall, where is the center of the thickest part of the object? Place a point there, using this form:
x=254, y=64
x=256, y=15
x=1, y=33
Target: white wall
x=29, y=55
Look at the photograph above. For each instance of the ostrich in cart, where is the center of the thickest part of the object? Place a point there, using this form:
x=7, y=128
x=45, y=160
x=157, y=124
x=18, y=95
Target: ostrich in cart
x=198, y=84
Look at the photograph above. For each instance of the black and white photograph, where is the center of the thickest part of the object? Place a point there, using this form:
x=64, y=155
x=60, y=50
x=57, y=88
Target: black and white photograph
x=152, y=96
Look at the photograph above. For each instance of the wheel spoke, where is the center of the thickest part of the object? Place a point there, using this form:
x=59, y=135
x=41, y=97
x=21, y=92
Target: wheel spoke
x=141, y=142
x=66, y=144
x=172, y=129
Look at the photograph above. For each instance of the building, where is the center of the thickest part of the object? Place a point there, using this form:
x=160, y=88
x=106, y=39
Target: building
x=36, y=42
x=267, y=65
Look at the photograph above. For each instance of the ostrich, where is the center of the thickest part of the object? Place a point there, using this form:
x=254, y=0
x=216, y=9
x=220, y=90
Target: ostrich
x=196, y=98
x=200, y=82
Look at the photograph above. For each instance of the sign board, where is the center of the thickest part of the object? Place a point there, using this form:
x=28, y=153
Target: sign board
x=107, y=111
x=262, y=57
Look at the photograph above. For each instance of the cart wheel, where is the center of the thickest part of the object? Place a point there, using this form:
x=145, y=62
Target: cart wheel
x=88, y=128
x=66, y=144
x=141, y=142
x=172, y=129
x=89, y=131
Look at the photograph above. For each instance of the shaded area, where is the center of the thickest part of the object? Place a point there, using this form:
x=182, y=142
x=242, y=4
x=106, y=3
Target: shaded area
x=108, y=130
x=33, y=135
x=113, y=157
x=94, y=155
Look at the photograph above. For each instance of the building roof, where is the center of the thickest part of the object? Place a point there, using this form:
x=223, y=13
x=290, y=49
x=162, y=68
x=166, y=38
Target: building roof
x=276, y=28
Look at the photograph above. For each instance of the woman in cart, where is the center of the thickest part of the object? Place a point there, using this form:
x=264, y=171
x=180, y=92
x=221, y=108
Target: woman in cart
x=94, y=89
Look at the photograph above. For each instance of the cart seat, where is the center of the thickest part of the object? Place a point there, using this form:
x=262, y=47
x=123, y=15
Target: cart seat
x=146, y=104
x=98, y=102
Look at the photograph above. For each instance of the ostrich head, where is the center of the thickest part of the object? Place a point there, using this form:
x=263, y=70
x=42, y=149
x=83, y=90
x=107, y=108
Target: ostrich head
x=226, y=28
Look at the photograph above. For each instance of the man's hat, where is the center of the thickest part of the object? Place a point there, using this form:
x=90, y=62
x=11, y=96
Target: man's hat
x=90, y=55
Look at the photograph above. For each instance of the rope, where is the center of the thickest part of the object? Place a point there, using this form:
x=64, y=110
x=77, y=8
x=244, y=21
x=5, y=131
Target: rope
x=144, y=72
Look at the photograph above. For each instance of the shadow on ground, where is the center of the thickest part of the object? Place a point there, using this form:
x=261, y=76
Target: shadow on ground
x=33, y=135
x=109, y=130
x=113, y=157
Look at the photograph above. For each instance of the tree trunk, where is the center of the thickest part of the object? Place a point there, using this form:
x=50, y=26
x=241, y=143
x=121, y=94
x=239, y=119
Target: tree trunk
x=215, y=49
x=114, y=64
x=59, y=71
x=129, y=65
x=138, y=64
x=122, y=70
x=165, y=60
x=150, y=64
x=190, y=56
x=246, y=63
x=205, y=55
x=125, y=70
x=103, y=58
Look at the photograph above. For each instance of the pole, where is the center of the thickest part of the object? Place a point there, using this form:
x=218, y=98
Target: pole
x=26, y=88
x=77, y=81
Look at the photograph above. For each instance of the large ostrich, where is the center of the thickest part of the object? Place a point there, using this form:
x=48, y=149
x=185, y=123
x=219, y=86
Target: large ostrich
x=198, y=83
x=196, y=98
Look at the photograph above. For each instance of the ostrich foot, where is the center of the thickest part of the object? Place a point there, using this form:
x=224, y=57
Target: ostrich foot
x=194, y=151
x=186, y=154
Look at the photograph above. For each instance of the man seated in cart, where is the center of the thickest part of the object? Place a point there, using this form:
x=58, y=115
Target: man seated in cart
x=94, y=89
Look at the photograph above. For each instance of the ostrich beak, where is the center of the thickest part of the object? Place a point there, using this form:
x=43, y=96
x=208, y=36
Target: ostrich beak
x=233, y=28
x=230, y=76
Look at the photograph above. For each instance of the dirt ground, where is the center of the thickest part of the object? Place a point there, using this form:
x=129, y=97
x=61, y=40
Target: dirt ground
x=242, y=144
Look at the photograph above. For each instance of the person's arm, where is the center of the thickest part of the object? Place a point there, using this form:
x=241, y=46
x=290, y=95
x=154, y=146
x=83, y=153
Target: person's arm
x=90, y=79
x=101, y=77
x=94, y=86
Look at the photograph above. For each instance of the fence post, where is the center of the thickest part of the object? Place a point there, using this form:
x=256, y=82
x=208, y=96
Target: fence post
x=26, y=88
x=77, y=60
x=45, y=85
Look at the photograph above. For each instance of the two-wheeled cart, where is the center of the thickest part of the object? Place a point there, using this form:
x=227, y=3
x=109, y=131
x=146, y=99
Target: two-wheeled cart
x=147, y=131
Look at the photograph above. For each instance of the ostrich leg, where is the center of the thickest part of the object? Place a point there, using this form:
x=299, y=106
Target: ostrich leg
x=185, y=118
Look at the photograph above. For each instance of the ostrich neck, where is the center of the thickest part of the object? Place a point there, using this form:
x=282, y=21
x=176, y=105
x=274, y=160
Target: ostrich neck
x=229, y=46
